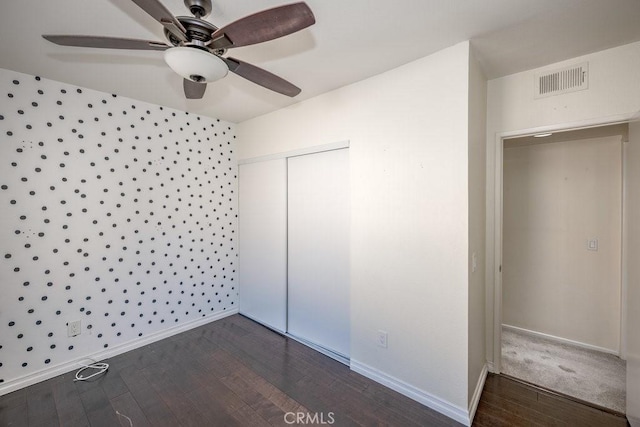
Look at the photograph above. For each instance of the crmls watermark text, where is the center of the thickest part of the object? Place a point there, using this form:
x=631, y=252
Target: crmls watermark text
x=309, y=418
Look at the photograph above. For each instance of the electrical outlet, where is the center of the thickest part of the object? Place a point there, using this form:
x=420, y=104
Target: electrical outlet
x=382, y=339
x=73, y=328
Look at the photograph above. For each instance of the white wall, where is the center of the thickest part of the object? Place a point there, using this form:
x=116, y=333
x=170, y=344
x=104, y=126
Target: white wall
x=614, y=93
x=477, y=220
x=633, y=297
x=114, y=212
x=409, y=157
x=557, y=196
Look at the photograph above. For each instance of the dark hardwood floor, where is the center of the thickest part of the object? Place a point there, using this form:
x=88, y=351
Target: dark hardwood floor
x=505, y=402
x=234, y=372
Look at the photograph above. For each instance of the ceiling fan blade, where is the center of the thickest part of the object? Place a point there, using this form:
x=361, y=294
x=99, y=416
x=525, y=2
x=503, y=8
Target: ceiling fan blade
x=261, y=77
x=264, y=26
x=163, y=16
x=106, y=42
x=193, y=90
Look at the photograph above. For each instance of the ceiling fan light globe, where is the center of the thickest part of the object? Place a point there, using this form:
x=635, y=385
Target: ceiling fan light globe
x=195, y=64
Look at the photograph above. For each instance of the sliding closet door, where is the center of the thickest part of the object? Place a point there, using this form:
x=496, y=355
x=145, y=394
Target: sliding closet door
x=263, y=242
x=318, y=260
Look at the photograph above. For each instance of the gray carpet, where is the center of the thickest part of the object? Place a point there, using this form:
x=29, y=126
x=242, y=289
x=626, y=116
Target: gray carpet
x=588, y=375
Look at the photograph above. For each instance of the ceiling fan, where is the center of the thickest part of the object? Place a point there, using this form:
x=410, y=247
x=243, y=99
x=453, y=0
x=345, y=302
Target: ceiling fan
x=196, y=47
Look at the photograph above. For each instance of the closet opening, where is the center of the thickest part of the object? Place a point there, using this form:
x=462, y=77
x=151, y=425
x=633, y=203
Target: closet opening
x=294, y=246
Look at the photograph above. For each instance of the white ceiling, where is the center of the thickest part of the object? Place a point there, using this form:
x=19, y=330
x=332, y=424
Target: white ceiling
x=351, y=40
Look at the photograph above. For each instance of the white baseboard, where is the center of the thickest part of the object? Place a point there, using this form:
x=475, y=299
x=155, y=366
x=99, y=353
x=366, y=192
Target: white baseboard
x=560, y=339
x=477, y=393
x=62, y=368
x=450, y=410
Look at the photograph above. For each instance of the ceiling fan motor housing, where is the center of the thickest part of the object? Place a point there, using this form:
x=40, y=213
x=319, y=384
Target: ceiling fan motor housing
x=199, y=31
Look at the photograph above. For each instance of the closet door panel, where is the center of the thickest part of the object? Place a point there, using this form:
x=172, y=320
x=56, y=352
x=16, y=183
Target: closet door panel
x=318, y=252
x=263, y=242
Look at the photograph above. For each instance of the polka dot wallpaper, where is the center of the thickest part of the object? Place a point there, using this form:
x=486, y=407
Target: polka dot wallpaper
x=114, y=212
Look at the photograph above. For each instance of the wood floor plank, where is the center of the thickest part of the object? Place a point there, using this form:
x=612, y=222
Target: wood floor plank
x=511, y=414
x=69, y=405
x=127, y=409
x=14, y=415
x=268, y=390
x=249, y=395
x=221, y=362
x=176, y=399
x=113, y=385
x=224, y=396
x=485, y=417
x=266, y=400
x=154, y=408
x=45, y=423
x=93, y=399
x=104, y=416
x=41, y=406
x=97, y=408
x=248, y=417
x=505, y=387
x=312, y=398
x=16, y=398
x=520, y=410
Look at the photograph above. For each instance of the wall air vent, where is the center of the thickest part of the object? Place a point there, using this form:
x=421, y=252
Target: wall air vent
x=570, y=79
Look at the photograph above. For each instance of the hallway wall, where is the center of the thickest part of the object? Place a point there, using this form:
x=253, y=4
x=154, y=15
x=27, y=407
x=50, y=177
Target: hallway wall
x=557, y=196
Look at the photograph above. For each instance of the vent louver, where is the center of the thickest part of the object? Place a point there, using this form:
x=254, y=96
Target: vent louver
x=570, y=79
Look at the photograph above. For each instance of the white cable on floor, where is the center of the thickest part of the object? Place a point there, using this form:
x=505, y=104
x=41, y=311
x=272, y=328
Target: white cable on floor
x=100, y=366
x=129, y=419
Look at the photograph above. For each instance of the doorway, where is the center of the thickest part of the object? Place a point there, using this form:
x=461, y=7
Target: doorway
x=561, y=294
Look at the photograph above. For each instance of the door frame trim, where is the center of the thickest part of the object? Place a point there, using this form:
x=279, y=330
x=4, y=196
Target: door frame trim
x=299, y=152
x=494, y=296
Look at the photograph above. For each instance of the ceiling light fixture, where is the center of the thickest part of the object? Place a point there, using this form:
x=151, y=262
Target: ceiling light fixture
x=195, y=64
x=542, y=135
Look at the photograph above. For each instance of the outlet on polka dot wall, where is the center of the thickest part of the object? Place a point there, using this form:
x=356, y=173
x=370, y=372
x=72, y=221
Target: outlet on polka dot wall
x=115, y=212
